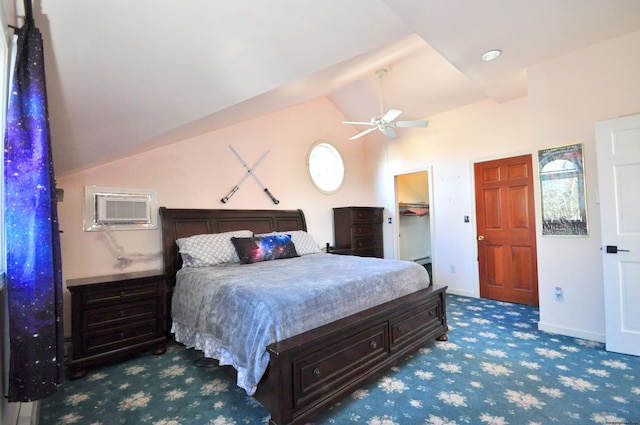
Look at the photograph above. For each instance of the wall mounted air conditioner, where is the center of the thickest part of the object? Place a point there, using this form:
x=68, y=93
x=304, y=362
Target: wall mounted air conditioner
x=119, y=209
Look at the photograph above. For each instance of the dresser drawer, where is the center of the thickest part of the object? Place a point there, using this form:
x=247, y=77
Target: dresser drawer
x=370, y=215
x=338, y=361
x=366, y=229
x=367, y=242
x=371, y=252
x=115, y=338
x=122, y=314
x=122, y=293
x=420, y=320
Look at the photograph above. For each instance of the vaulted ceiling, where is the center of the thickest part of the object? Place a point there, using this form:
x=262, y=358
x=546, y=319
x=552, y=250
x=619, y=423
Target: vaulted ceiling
x=124, y=76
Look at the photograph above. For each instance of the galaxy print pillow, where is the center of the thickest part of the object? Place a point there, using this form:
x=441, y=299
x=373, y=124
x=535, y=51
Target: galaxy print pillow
x=304, y=242
x=264, y=248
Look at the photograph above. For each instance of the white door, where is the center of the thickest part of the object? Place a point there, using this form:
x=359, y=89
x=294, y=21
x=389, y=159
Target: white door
x=618, y=156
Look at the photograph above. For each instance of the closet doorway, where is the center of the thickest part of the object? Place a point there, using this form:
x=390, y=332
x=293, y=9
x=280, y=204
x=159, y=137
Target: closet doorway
x=415, y=219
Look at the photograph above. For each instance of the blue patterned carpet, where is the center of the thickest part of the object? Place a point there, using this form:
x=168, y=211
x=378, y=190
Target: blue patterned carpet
x=496, y=369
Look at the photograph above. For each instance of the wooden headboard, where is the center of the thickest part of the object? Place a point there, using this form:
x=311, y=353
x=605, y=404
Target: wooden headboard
x=182, y=223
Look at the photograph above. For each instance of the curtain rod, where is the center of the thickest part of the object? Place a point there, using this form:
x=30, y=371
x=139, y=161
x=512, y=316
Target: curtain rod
x=28, y=11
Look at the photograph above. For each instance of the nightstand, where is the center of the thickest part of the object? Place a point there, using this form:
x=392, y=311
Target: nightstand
x=115, y=316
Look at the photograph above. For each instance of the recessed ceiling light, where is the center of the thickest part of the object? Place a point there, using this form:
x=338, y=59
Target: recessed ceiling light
x=491, y=55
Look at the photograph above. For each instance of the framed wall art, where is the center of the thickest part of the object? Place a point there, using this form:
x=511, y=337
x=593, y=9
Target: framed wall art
x=562, y=190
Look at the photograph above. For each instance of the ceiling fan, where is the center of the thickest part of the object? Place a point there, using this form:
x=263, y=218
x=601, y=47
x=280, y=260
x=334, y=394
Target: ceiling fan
x=385, y=122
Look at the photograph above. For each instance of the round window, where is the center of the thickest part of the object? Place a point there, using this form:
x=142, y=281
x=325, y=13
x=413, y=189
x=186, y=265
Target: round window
x=325, y=167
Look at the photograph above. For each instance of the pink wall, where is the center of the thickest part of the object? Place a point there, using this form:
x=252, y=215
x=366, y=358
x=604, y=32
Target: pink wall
x=198, y=172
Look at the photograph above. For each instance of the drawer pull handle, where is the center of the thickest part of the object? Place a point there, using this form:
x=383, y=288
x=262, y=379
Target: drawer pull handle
x=373, y=345
x=400, y=329
x=122, y=313
x=121, y=335
x=431, y=314
x=317, y=373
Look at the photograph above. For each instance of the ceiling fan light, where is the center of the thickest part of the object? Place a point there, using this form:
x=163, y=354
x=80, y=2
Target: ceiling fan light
x=490, y=55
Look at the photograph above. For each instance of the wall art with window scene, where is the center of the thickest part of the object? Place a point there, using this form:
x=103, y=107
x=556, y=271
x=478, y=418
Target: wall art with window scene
x=562, y=190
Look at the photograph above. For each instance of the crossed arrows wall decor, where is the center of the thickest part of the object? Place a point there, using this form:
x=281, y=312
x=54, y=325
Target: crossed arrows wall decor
x=250, y=172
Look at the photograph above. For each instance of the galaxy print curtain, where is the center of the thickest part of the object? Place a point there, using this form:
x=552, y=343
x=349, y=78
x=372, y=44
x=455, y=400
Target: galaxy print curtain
x=34, y=274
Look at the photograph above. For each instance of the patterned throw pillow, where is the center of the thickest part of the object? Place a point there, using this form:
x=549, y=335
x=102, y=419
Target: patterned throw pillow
x=264, y=248
x=304, y=242
x=210, y=249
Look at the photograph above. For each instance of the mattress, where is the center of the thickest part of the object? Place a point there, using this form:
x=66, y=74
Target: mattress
x=233, y=311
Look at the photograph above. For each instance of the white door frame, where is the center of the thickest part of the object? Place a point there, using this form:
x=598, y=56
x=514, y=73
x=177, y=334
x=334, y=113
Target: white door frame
x=396, y=239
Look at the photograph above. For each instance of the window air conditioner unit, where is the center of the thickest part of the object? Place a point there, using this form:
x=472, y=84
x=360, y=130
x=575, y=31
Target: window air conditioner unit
x=120, y=209
x=132, y=209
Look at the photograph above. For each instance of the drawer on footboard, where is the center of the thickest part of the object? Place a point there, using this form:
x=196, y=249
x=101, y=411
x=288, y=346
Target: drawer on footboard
x=337, y=362
x=311, y=371
x=421, y=320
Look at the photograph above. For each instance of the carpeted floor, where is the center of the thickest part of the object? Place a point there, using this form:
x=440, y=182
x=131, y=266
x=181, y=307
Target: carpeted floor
x=496, y=368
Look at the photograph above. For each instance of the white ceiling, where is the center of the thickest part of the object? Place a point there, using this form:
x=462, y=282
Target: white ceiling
x=124, y=76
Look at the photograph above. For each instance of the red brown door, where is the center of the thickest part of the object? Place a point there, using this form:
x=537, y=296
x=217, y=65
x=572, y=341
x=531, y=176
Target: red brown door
x=506, y=230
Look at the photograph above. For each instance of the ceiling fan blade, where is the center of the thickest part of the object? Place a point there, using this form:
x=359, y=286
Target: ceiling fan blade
x=410, y=123
x=391, y=115
x=391, y=135
x=357, y=122
x=367, y=131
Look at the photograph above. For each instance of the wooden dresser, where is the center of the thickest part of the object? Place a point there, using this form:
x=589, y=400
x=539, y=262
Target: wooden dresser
x=114, y=316
x=358, y=231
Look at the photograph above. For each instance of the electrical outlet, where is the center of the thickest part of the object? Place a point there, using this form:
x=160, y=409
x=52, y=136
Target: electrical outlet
x=559, y=294
x=453, y=269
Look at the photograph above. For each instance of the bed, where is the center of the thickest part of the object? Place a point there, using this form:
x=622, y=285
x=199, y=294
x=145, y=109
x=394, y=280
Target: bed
x=303, y=367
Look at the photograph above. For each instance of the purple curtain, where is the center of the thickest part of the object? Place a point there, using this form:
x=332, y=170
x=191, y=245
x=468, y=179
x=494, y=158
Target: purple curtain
x=34, y=272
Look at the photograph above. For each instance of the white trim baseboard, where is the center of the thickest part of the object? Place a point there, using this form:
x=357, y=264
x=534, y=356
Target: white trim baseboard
x=575, y=333
x=29, y=413
x=454, y=291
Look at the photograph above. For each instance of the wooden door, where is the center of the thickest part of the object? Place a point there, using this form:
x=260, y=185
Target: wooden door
x=506, y=230
x=618, y=150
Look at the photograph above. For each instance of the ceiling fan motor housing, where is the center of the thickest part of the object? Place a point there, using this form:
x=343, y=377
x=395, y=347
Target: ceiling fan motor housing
x=385, y=121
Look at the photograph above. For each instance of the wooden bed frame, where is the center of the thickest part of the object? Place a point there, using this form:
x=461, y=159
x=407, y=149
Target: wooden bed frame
x=309, y=372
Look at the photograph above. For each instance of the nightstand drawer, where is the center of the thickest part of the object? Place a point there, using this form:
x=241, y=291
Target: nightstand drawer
x=123, y=314
x=121, y=294
x=113, y=339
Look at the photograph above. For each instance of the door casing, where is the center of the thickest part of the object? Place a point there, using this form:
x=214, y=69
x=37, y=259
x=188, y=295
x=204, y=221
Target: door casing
x=506, y=245
x=429, y=171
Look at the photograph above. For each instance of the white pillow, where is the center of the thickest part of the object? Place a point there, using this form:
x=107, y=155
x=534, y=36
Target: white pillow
x=210, y=249
x=304, y=242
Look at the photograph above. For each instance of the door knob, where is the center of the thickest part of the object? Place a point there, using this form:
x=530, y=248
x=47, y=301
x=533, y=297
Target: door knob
x=613, y=249
x=480, y=238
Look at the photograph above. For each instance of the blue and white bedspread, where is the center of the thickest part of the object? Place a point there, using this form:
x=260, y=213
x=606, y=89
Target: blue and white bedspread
x=232, y=312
